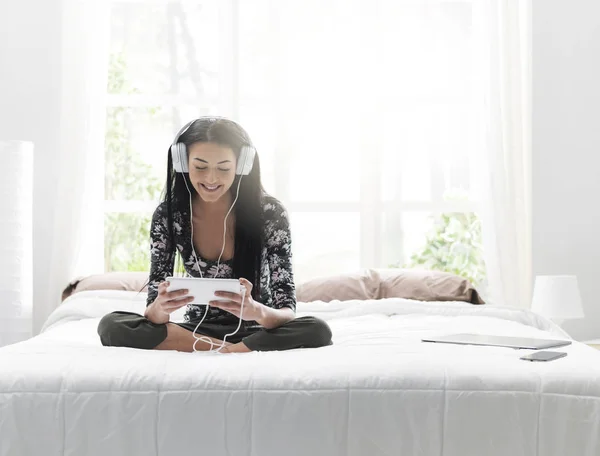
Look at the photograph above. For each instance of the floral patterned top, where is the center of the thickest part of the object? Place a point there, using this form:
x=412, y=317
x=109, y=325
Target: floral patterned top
x=276, y=277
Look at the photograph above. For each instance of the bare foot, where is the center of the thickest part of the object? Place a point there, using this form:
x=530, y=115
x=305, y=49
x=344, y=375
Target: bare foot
x=240, y=347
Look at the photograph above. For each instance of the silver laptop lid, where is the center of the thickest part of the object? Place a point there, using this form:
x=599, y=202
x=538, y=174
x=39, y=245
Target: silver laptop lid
x=498, y=341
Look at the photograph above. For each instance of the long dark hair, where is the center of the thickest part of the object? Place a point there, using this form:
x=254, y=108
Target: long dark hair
x=248, y=210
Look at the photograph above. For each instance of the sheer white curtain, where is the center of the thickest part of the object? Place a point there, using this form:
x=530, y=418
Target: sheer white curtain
x=506, y=126
x=78, y=227
x=16, y=243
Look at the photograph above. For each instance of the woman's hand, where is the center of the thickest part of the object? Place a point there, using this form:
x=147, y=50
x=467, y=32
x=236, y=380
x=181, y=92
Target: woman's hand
x=253, y=310
x=166, y=303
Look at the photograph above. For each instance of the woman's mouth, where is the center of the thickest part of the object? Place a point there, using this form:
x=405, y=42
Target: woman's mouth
x=210, y=188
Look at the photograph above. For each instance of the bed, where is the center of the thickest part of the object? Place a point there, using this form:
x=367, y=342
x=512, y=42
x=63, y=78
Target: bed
x=378, y=390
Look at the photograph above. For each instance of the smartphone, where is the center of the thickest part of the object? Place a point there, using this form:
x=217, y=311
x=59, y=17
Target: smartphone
x=543, y=355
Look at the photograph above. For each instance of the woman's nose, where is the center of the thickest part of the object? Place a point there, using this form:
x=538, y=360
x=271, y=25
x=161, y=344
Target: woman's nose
x=211, y=176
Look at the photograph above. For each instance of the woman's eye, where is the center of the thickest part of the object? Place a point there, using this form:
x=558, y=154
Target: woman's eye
x=206, y=167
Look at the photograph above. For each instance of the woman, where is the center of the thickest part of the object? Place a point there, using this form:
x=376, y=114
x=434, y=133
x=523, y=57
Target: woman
x=203, y=183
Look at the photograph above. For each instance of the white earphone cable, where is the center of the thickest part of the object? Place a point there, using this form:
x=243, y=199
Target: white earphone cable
x=204, y=338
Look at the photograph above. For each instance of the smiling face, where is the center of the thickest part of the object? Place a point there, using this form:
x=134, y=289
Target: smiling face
x=212, y=169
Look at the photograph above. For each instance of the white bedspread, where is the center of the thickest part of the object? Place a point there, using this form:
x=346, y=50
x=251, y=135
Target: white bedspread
x=377, y=391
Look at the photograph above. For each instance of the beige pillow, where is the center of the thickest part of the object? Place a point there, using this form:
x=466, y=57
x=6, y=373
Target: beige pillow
x=414, y=284
x=342, y=287
x=423, y=285
x=127, y=281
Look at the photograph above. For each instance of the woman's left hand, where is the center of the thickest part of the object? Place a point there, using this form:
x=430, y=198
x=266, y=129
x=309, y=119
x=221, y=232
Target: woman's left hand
x=253, y=310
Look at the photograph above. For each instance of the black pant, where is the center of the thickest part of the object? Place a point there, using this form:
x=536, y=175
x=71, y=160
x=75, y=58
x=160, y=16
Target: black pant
x=127, y=329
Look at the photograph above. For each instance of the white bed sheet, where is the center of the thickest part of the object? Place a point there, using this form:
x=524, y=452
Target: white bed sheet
x=377, y=391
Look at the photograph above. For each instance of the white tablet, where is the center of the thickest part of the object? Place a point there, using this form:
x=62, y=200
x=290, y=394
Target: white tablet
x=203, y=290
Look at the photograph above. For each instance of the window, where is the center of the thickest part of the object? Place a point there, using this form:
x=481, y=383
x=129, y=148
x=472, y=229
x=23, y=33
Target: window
x=363, y=113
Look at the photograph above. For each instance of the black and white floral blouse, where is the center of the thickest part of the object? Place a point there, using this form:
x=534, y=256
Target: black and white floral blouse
x=276, y=277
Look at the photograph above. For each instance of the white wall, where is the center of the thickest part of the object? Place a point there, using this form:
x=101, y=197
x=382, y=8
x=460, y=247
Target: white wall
x=566, y=149
x=30, y=34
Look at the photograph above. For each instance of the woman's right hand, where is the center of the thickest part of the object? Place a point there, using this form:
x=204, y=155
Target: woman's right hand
x=166, y=302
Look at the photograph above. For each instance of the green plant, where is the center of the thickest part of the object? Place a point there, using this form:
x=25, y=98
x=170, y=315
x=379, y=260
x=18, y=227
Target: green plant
x=127, y=241
x=453, y=245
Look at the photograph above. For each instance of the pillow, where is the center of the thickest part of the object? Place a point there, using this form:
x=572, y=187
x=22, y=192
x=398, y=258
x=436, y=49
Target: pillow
x=343, y=287
x=420, y=285
x=127, y=281
x=424, y=285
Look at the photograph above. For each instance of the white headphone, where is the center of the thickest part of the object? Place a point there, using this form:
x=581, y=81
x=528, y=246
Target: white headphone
x=180, y=156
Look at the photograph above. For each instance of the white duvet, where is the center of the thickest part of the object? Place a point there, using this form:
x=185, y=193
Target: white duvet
x=378, y=390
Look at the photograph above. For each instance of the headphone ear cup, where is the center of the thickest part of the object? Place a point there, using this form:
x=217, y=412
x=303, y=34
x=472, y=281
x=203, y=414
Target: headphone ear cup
x=179, y=156
x=246, y=160
x=184, y=157
x=175, y=158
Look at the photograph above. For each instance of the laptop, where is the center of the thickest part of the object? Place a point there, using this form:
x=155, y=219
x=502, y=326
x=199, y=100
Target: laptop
x=498, y=341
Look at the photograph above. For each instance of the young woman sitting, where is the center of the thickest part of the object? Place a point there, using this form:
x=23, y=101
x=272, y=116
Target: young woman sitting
x=216, y=216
